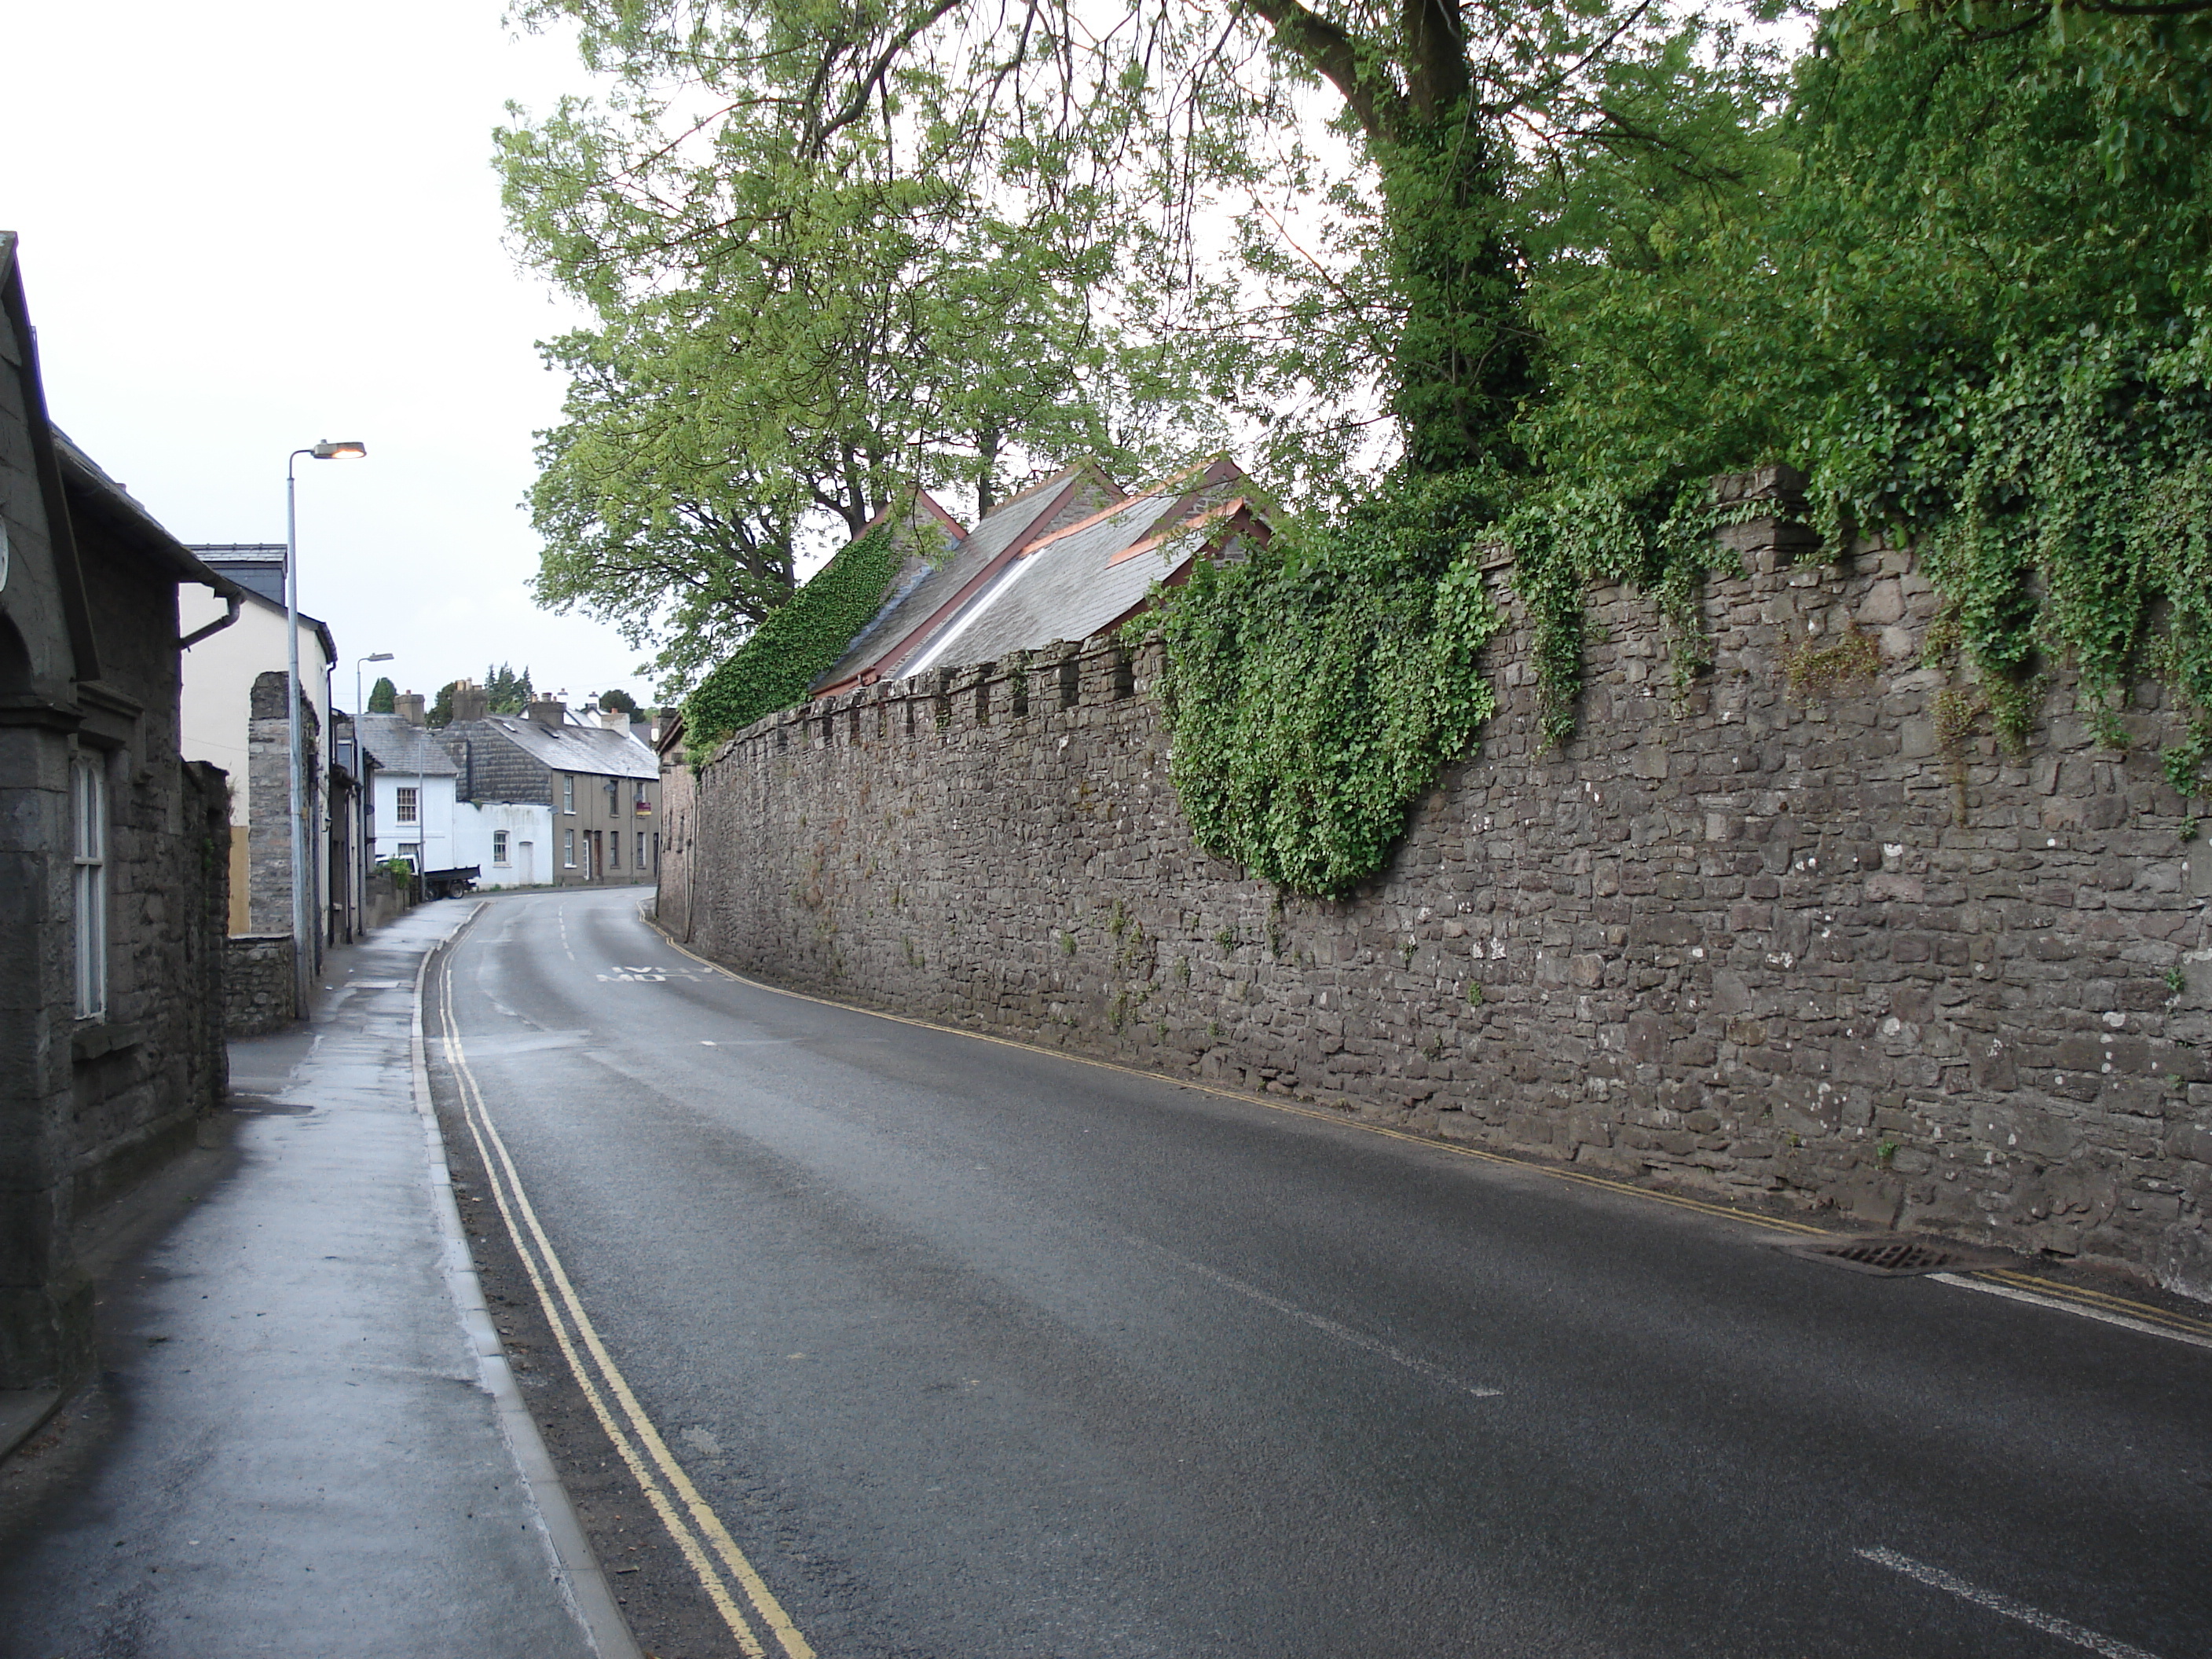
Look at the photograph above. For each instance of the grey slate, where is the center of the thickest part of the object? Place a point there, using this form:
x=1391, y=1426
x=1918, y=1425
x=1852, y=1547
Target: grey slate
x=923, y=584
x=1067, y=588
x=397, y=746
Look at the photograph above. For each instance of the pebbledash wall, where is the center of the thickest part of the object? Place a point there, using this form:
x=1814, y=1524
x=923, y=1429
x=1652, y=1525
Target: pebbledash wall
x=1786, y=933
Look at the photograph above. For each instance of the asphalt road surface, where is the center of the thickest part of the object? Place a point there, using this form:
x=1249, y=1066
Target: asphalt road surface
x=927, y=1346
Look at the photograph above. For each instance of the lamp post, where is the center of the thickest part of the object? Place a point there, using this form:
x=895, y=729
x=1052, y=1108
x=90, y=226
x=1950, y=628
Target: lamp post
x=361, y=708
x=325, y=451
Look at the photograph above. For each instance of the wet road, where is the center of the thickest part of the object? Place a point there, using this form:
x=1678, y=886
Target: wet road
x=976, y=1352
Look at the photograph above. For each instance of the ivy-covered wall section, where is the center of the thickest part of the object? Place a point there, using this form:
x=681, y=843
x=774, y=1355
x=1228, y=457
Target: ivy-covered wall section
x=799, y=640
x=1802, y=927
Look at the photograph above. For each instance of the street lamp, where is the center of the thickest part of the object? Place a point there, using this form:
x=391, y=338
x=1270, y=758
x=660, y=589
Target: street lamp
x=324, y=451
x=359, y=707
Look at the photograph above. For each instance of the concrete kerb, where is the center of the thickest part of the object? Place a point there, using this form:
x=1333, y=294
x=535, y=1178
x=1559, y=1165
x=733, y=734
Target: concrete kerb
x=581, y=1578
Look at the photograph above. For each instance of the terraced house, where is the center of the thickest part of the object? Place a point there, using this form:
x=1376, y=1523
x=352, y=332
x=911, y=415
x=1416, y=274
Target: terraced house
x=598, y=788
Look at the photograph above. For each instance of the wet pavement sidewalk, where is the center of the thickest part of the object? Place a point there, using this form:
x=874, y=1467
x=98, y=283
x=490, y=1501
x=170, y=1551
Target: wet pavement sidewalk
x=303, y=1441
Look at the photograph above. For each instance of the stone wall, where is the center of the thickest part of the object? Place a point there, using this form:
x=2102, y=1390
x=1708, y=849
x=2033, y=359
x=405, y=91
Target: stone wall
x=1805, y=930
x=259, y=993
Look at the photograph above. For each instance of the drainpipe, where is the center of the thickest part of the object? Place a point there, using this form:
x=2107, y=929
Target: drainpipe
x=215, y=627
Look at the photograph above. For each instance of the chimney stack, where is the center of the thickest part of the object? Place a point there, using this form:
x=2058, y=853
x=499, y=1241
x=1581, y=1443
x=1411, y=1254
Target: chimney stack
x=549, y=712
x=408, y=705
x=470, y=702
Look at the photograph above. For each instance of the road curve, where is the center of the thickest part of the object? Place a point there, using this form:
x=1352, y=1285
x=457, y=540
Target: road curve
x=973, y=1351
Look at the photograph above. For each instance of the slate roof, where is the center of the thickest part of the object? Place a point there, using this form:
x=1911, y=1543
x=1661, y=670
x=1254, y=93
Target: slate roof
x=397, y=745
x=93, y=493
x=1084, y=578
x=595, y=750
x=926, y=587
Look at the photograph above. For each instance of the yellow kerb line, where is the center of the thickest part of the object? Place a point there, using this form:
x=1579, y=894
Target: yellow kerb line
x=505, y=1181
x=1773, y=1224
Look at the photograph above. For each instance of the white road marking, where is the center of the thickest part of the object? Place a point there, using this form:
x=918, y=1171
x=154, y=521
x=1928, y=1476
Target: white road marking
x=560, y=914
x=2120, y=1319
x=1328, y=1327
x=2035, y=1618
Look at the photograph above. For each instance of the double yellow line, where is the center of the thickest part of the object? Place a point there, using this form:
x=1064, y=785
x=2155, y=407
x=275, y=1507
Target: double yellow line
x=722, y=1569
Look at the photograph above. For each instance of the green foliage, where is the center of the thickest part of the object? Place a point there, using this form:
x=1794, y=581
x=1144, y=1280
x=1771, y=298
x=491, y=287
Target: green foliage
x=1316, y=691
x=774, y=668
x=617, y=701
x=505, y=691
x=441, y=707
x=383, y=697
x=1963, y=280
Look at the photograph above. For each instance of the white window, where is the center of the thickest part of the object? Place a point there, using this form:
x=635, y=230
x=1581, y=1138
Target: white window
x=568, y=847
x=407, y=808
x=640, y=849
x=568, y=796
x=88, y=817
x=614, y=850
x=499, y=846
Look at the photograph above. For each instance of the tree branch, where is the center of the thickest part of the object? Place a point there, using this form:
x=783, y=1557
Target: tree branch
x=1332, y=52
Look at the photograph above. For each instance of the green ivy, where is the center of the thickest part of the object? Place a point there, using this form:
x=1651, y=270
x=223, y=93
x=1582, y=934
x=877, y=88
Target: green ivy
x=1964, y=280
x=1316, y=691
x=797, y=642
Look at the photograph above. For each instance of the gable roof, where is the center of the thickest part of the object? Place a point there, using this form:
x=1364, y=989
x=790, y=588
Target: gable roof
x=1092, y=575
x=928, y=594
x=596, y=750
x=396, y=744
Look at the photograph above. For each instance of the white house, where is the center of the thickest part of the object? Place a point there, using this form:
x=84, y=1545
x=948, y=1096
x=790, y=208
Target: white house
x=510, y=843
x=412, y=810
x=419, y=815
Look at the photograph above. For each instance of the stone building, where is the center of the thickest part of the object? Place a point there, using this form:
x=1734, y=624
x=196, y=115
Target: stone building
x=596, y=787
x=113, y=864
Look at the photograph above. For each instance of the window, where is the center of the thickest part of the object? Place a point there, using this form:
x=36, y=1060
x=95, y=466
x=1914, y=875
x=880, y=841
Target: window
x=568, y=847
x=88, y=817
x=643, y=805
x=568, y=795
x=407, y=807
x=640, y=849
x=499, y=846
x=614, y=850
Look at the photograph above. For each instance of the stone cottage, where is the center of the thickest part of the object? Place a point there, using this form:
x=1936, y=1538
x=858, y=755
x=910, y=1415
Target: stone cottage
x=114, y=862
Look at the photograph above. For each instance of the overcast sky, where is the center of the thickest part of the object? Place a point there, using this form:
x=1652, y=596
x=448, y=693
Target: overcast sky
x=246, y=225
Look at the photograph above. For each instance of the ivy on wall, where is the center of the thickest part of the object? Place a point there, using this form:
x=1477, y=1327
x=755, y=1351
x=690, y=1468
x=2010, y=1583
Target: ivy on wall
x=795, y=644
x=1315, y=691
x=1964, y=280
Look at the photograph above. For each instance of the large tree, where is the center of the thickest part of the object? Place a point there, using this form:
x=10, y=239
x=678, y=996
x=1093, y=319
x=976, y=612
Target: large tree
x=837, y=244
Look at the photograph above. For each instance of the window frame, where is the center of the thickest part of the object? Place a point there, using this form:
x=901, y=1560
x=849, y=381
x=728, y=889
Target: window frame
x=89, y=838
x=499, y=848
x=406, y=803
x=569, y=849
x=569, y=794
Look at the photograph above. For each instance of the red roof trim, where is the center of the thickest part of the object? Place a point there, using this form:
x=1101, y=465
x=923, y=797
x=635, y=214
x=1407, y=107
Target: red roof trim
x=922, y=632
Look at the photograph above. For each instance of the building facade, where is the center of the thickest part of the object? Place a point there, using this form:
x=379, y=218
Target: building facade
x=596, y=787
x=113, y=864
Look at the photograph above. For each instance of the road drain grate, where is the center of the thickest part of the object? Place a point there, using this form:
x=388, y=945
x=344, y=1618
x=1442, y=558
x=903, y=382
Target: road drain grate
x=1892, y=1257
